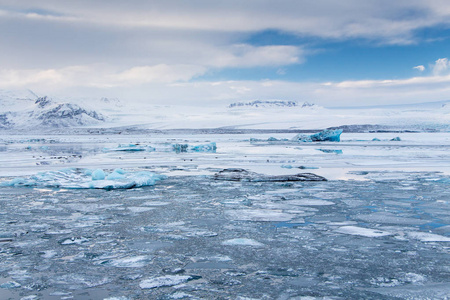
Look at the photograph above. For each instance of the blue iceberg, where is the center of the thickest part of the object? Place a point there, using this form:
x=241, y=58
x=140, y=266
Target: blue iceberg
x=130, y=148
x=75, y=178
x=326, y=135
x=331, y=151
x=210, y=147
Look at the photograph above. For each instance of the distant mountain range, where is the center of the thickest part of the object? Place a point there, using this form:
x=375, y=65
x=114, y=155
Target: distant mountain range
x=26, y=110
x=272, y=103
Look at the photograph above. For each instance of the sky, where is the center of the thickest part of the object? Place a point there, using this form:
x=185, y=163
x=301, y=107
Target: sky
x=203, y=52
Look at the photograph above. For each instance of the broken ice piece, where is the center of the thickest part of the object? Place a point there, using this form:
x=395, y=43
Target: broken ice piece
x=168, y=280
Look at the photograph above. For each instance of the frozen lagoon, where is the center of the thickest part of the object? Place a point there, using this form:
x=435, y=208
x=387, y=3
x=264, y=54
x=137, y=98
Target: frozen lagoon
x=378, y=229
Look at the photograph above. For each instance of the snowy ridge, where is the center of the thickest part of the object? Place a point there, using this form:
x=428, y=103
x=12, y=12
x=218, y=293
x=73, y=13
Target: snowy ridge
x=26, y=110
x=272, y=103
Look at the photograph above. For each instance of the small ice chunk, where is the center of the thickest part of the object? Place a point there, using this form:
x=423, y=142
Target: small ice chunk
x=309, y=202
x=49, y=254
x=74, y=241
x=428, y=237
x=98, y=174
x=355, y=230
x=242, y=242
x=139, y=209
x=10, y=285
x=168, y=280
x=129, y=262
x=30, y=297
x=266, y=215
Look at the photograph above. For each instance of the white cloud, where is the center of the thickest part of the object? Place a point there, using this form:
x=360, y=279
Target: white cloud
x=441, y=66
x=96, y=76
x=245, y=56
x=421, y=68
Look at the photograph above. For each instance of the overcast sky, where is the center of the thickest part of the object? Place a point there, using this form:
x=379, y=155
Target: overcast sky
x=333, y=53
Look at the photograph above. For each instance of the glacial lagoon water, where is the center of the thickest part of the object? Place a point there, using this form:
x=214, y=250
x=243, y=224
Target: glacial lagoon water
x=377, y=229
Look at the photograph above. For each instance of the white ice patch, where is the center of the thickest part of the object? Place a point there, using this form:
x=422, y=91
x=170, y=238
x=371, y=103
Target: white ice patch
x=130, y=262
x=139, y=209
x=355, y=230
x=428, y=237
x=155, y=203
x=259, y=215
x=168, y=280
x=242, y=242
x=388, y=218
x=309, y=202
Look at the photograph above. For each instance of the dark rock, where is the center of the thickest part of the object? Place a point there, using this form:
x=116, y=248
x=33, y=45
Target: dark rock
x=237, y=174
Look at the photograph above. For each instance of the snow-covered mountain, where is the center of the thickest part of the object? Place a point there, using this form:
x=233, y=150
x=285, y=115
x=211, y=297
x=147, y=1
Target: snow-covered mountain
x=21, y=110
x=270, y=104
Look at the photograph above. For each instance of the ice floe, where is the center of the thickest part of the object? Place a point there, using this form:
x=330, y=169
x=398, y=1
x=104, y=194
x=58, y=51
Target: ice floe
x=355, y=230
x=428, y=237
x=74, y=178
x=242, y=242
x=164, y=281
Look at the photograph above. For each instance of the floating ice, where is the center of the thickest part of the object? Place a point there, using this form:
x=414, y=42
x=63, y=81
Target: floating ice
x=263, y=215
x=242, y=242
x=428, y=237
x=298, y=167
x=210, y=147
x=130, y=148
x=168, y=280
x=129, y=262
x=87, y=179
x=10, y=285
x=326, y=135
x=236, y=174
x=309, y=202
x=355, y=230
x=331, y=151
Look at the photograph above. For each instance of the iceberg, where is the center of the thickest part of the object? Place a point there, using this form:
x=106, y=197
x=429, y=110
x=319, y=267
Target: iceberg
x=210, y=147
x=331, y=151
x=75, y=178
x=130, y=148
x=326, y=135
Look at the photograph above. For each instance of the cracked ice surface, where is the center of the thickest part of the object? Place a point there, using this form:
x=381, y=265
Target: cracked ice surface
x=201, y=240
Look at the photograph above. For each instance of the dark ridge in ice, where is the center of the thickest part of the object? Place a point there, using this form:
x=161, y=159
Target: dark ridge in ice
x=237, y=174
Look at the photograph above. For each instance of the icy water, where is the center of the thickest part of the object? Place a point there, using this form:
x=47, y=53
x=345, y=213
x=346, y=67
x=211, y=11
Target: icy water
x=378, y=229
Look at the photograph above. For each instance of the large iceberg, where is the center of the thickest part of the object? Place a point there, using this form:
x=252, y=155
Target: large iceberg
x=75, y=178
x=326, y=135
